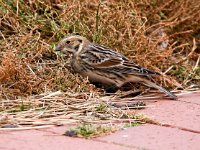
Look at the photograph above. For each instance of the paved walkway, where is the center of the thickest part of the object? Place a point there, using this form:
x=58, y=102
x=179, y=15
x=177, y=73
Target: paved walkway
x=180, y=131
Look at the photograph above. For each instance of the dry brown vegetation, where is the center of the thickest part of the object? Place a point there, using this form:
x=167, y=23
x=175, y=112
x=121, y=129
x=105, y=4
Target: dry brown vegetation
x=161, y=35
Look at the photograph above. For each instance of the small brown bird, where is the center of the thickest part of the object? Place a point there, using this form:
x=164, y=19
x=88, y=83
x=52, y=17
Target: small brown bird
x=103, y=65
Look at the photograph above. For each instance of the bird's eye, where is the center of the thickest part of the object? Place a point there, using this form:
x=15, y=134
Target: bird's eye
x=67, y=42
x=80, y=41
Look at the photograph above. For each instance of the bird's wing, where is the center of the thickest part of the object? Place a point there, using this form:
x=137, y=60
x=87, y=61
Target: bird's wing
x=100, y=57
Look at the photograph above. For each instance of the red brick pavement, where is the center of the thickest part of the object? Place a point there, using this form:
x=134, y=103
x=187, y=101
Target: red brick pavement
x=182, y=132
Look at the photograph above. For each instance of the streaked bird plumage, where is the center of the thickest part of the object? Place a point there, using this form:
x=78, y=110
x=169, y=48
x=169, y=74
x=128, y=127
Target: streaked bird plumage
x=103, y=65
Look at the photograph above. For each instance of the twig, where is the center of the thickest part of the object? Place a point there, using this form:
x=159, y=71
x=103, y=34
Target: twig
x=197, y=64
x=52, y=94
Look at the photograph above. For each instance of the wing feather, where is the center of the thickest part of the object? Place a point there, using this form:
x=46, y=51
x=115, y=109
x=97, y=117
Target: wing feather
x=100, y=57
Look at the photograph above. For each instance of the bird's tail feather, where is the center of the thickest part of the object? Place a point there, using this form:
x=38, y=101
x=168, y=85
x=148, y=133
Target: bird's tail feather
x=151, y=84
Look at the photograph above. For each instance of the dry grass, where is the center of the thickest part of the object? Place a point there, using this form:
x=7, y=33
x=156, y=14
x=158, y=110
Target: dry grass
x=62, y=108
x=161, y=35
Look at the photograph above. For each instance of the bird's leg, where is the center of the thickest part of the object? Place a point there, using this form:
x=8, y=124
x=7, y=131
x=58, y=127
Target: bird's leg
x=111, y=88
x=126, y=87
x=97, y=84
x=108, y=88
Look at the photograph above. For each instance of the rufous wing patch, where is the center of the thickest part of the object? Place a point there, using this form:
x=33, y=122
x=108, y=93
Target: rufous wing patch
x=108, y=63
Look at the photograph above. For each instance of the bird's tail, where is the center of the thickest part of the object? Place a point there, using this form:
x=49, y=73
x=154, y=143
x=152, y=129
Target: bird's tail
x=151, y=84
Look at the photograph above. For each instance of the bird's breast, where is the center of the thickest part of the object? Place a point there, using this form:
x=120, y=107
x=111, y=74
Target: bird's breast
x=93, y=74
x=76, y=65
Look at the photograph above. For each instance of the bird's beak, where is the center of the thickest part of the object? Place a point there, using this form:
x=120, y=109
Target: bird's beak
x=58, y=48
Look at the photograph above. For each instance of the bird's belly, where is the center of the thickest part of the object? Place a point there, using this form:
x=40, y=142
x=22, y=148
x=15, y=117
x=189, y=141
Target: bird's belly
x=96, y=76
x=101, y=78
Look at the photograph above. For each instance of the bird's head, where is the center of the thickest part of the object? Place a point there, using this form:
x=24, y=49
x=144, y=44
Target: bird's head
x=71, y=44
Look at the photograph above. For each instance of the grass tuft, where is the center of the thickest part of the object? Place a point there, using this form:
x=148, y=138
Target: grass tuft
x=90, y=131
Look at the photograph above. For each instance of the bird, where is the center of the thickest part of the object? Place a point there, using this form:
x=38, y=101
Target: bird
x=104, y=65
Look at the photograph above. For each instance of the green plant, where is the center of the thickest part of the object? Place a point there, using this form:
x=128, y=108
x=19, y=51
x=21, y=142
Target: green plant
x=89, y=130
